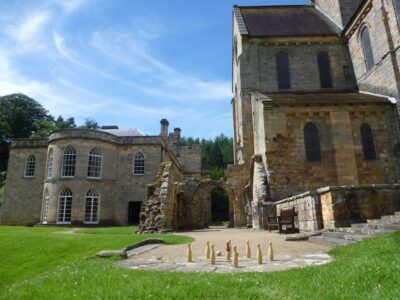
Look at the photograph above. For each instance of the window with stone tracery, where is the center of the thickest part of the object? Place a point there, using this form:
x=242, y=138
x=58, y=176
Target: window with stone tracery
x=68, y=162
x=50, y=164
x=64, y=207
x=138, y=164
x=95, y=163
x=92, y=202
x=30, y=166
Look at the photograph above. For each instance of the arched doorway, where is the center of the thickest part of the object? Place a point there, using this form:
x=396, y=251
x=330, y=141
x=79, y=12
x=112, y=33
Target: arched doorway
x=219, y=206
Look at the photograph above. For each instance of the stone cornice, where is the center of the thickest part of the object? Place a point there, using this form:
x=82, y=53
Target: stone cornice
x=358, y=18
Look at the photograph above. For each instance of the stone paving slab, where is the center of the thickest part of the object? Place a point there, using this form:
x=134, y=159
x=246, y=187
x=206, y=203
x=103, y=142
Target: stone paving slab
x=173, y=257
x=142, y=249
x=200, y=264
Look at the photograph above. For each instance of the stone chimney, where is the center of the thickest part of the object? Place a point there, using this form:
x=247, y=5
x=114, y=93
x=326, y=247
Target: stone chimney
x=177, y=135
x=177, y=141
x=164, y=128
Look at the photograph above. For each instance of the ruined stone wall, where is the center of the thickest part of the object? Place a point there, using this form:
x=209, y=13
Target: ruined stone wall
x=308, y=209
x=158, y=213
x=342, y=160
x=22, y=198
x=384, y=32
x=190, y=158
x=195, y=205
x=342, y=206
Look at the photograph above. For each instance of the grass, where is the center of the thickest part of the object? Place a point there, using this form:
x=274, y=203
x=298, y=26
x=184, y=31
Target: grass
x=367, y=270
x=27, y=252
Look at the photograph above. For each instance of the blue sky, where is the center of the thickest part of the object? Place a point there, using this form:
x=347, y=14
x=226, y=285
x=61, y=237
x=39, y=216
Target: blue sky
x=128, y=63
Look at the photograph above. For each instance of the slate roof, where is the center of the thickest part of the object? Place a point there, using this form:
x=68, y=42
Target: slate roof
x=124, y=132
x=325, y=98
x=273, y=21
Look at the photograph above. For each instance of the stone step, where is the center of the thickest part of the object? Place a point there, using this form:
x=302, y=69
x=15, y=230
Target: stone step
x=345, y=235
x=382, y=222
x=394, y=218
x=391, y=227
x=329, y=241
x=397, y=213
x=366, y=231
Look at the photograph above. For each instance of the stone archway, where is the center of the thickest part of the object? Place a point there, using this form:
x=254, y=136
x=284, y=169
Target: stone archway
x=219, y=206
x=202, y=199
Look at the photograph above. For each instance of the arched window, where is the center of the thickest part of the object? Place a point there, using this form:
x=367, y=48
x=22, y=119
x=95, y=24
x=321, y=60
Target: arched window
x=45, y=207
x=30, y=166
x=138, y=164
x=283, y=70
x=95, y=163
x=68, y=163
x=324, y=66
x=311, y=142
x=50, y=164
x=92, y=202
x=64, y=207
x=368, y=53
x=368, y=144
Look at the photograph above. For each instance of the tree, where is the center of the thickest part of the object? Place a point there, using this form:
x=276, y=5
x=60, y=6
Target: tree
x=90, y=124
x=60, y=123
x=19, y=115
x=216, y=154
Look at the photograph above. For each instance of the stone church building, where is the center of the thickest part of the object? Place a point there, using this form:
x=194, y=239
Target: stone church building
x=316, y=128
x=315, y=119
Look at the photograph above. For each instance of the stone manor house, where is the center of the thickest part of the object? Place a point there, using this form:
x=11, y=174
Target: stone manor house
x=79, y=176
x=315, y=122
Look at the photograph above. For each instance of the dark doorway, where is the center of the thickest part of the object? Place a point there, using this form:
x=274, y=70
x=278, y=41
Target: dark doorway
x=219, y=206
x=134, y=212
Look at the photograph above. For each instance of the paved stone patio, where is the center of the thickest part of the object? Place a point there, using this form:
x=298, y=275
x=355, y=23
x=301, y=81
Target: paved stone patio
x=287, y=255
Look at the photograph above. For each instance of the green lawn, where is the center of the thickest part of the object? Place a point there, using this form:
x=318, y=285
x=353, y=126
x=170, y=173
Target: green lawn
x=367, y=270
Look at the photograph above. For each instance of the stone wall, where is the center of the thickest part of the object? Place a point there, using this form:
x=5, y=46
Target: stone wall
x=342, y=158
x=384, y=32
x=342, y=206
x=22, y=198
x=158, y=211
x=190, y=158
x=308, y=209
x=338, y=10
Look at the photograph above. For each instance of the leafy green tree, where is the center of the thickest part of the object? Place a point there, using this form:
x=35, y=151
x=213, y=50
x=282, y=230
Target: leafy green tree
x=90, y=124
x=19, y=115
x=216, y=153
x=60, y=123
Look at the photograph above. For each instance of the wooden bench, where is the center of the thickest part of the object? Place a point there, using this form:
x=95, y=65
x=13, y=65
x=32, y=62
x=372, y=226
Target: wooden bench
x=286, y=218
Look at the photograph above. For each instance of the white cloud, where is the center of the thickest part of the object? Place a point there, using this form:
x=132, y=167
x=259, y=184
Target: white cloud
x=70, y=6
x=132, y=51
x=27, y=32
